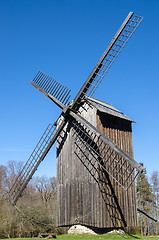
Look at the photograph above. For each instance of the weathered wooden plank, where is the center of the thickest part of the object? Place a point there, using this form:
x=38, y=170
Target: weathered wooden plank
x=81, y=198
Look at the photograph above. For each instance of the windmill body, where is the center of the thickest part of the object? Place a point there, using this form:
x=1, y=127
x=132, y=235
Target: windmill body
x=84, y=196
x=95, y=165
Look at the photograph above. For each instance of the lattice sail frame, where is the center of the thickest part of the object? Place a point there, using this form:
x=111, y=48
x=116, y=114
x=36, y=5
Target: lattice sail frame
x=32, y=164
x=49, y=85
x=124, y=36
x=110, y=54
x=98, y=155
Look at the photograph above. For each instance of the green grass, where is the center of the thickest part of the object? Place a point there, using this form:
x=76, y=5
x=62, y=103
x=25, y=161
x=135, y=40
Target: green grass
x=108, y=236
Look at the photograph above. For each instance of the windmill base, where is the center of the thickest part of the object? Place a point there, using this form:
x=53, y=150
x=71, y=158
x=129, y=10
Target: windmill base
x=79, y=229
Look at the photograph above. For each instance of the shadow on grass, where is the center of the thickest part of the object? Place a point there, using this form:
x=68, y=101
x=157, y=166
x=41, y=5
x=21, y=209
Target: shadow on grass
x=127, y=235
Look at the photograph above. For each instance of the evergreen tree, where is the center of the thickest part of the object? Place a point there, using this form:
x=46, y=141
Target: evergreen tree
x=145, y=200
x=155, y=188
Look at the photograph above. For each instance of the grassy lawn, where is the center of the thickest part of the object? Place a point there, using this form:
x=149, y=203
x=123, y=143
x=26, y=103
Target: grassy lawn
x=108, y=236
x=104, y=236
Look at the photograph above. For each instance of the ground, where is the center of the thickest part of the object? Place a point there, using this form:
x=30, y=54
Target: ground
x=107, y=236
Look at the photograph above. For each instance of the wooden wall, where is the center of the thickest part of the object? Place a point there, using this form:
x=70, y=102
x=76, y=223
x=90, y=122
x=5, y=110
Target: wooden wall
x=83, y=195
x=120, y=132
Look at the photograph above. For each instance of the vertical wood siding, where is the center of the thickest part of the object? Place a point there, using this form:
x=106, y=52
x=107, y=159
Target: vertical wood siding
x=124, y=202
x=83, y=195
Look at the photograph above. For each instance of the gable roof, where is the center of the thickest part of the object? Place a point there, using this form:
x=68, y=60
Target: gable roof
x=107, y=108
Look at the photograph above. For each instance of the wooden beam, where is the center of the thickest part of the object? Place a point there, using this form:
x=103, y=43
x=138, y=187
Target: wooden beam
x=139, y=210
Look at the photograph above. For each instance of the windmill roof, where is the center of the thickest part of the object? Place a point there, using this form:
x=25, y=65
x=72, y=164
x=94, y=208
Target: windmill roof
x=107, y=108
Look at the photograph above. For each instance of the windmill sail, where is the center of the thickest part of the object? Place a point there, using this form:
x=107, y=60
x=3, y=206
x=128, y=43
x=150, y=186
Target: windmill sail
x=119, y=165
x=103, y=65
x=107, y=154
x=51, y=88
x=40, y=151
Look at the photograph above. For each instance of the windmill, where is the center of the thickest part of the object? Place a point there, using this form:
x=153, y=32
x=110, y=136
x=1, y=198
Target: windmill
x=102, y=182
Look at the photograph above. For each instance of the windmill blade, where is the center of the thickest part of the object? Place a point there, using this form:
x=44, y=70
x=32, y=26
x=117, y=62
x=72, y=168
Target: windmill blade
x=110, y=54
x=119, y=165
x=51, y=88
x=42, y=148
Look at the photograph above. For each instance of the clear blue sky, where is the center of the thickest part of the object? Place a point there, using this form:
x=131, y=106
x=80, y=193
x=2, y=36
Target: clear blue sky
x=65, y=39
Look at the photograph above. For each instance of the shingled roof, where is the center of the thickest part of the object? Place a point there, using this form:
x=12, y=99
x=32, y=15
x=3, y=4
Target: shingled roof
x=107, y=108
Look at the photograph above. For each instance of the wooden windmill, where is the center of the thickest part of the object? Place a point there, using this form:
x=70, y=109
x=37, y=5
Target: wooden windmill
x=95, y=165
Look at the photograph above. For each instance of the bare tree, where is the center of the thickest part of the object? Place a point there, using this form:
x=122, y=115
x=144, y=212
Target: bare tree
x=34, y=212
x=46, y=187
x=3, y=181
